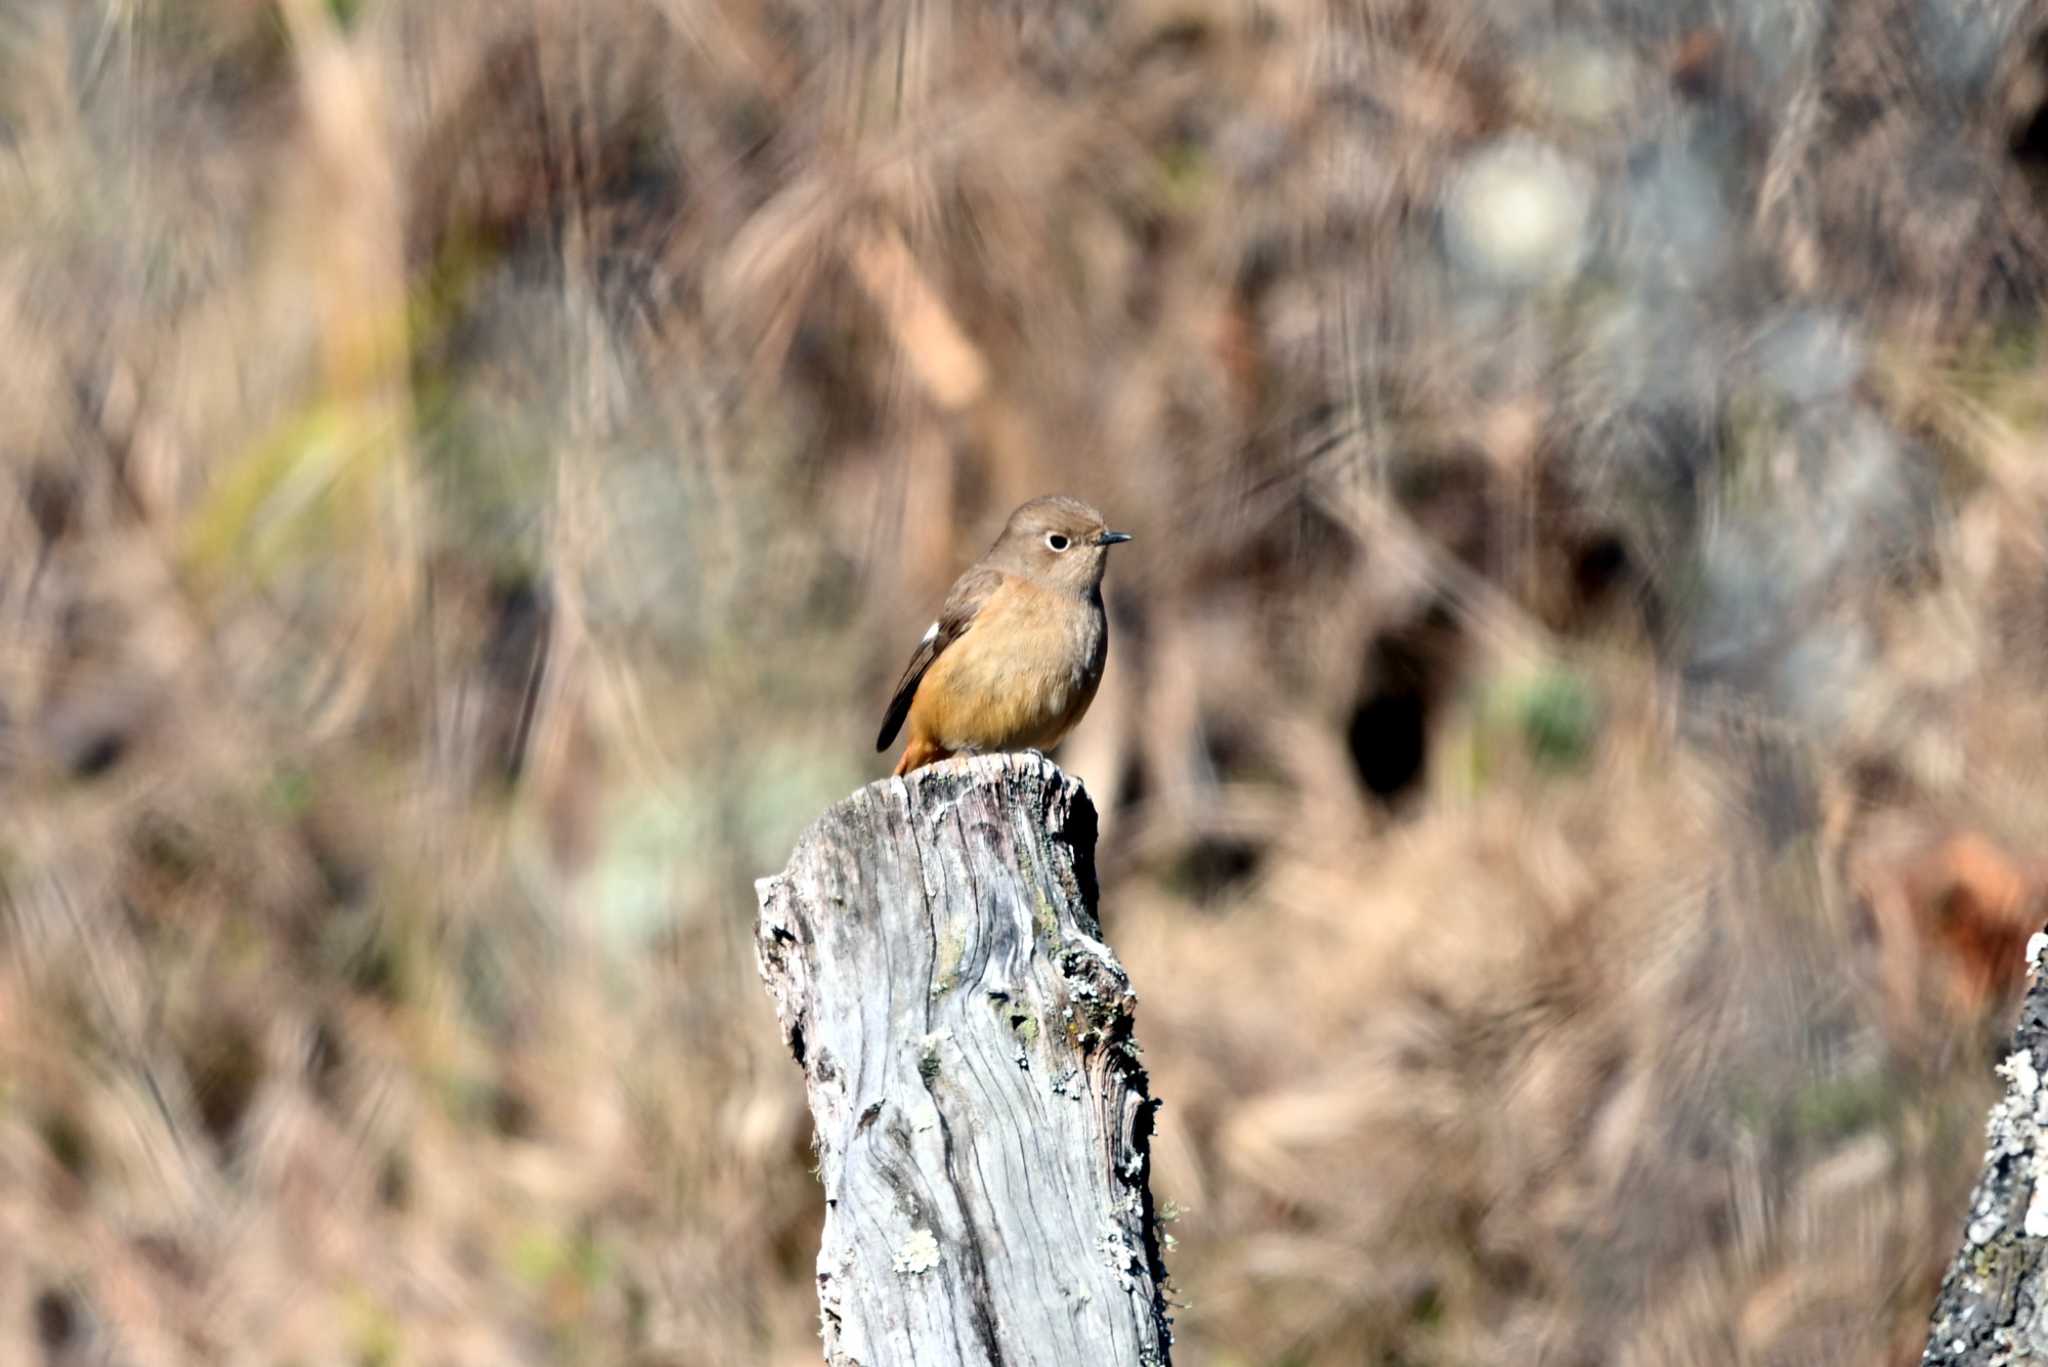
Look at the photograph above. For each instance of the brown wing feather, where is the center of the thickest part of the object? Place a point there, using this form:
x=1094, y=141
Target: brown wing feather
x=970, y=591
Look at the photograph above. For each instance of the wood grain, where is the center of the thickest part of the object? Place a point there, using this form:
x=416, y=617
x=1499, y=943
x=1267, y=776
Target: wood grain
x=982, y=1118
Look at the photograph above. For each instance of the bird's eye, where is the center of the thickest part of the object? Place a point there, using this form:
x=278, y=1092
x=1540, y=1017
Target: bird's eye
x=1056, y=542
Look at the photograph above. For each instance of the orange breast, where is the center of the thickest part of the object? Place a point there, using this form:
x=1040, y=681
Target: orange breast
x=1021, y=676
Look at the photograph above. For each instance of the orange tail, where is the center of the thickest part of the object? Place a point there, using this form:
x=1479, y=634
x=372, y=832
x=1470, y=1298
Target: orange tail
x=921, y=751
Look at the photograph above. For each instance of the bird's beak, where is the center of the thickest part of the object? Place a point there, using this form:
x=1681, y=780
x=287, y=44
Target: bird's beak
x=1111, y=538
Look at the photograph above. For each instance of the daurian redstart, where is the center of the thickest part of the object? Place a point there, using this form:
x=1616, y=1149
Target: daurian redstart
x=1017, y=652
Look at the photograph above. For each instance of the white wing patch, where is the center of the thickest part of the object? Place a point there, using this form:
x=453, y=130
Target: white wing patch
x=931, y=633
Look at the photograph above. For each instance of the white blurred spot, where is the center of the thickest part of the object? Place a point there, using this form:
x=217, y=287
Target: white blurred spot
x=1518, y=213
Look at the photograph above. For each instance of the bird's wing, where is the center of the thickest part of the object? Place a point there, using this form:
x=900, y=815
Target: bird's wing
x=969, y=593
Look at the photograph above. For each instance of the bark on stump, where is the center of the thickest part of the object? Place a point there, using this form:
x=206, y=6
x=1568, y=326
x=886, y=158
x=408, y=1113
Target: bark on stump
x=983, y=1124
x=1993, y=1307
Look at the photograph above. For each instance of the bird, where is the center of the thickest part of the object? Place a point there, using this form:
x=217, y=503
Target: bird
x=1016, y=654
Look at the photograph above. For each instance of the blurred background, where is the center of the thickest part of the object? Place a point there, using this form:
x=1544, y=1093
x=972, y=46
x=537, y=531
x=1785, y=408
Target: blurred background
x=470, y=474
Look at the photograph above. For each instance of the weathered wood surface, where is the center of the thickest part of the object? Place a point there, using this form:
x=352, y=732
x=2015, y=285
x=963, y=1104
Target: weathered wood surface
x=982, y=1120
x=1993, y=1307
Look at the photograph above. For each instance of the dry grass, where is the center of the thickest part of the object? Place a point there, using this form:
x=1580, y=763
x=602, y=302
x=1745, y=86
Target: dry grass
x=469, y=473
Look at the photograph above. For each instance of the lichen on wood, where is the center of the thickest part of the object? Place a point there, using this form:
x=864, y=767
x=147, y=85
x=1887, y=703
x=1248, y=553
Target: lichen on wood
x=982, y=1119
x=1993, y=1307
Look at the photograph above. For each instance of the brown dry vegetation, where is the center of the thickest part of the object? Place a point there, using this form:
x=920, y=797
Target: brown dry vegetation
x=470, y=472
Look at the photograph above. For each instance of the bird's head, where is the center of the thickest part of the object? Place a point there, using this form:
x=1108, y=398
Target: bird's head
x=1060, y=542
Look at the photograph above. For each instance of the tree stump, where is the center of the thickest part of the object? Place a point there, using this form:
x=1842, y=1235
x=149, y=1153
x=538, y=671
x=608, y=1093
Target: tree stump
x=1993, y=1307
x=983, y=1123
